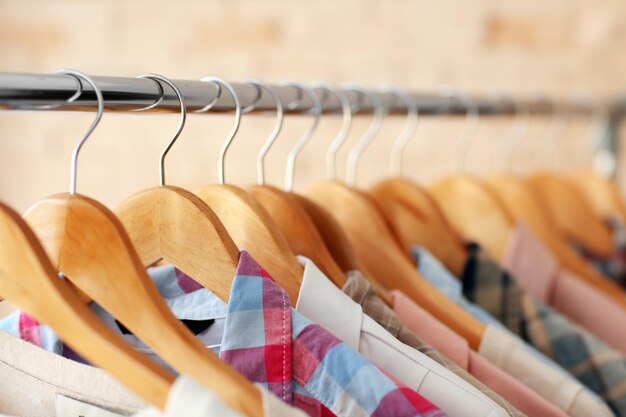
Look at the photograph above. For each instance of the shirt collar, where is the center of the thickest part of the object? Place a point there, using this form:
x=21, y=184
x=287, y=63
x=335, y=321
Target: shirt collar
x=323, y=303
x=437, y=274
x=534, y=266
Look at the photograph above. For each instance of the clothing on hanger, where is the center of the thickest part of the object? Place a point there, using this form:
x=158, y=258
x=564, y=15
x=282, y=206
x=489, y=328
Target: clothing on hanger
x=512, y=354
x=537, y=271
x=362, y=292
x=456, y=348
x=328, y=306
x=270, y=344
x=596, y=365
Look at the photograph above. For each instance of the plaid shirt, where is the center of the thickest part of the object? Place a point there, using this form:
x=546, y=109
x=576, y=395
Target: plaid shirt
x=615, y=266
x=273, y=345
x=596, y=365
x=362, y=292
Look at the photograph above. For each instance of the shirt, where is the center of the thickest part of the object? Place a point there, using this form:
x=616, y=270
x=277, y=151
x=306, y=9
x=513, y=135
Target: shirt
x=457, y=349
x=271, y=344
x=538, y=271
x=34, y=382
x=596, y=365
x=363, y=293
x=321, y=301
x=189, y=399
x=513, y=355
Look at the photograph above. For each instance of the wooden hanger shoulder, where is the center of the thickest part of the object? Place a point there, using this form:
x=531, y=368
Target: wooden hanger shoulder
x=573, y=217
x=338, y=243
x=173, y=224
x=299, y=230
x=475, y=212
x=602, y=195
x=27, y=277
x=384, y=257
x=253, y=229
x=97, y=255
x=418, y=221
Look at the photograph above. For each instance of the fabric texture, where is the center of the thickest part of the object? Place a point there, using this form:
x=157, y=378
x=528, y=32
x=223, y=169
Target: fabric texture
x=260, y=335
x=321, y=301
x=447, y=341
x=362, y=292
x=31, y=379
x=513, y=355
x=538, y=271
x=300, y=362
x=599, y=367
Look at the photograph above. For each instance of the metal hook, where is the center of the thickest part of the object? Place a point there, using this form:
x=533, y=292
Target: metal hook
x=400, y=144
x=74, y=163
x=516, y=133
x=181, y=124
x=368, y=136
x=280, y=117
x=470, y=130
x=233, y=130
x=340, y=138
x=560, y=124
x=316, y=110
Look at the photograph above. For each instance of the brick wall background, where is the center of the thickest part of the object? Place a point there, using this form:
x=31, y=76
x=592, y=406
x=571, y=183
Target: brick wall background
x=560, y=48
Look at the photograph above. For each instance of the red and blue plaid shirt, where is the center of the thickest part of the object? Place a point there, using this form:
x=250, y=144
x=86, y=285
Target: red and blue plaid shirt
x=271, y=344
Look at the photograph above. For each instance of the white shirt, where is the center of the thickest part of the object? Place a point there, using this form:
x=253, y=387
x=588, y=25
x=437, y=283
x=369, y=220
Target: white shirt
x=325, y=304
x=189, y=399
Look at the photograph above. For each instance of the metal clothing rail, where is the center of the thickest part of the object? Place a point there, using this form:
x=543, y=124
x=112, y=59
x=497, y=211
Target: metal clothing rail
x=54, y=92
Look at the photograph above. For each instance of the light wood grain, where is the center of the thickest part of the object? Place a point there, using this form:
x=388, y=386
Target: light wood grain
x=299, y=230
x=572, y=215
x=253, y=229
x=418, y=221
x=475, y=212
x=525, y=204
x=601, y=194
x=27, y=277
x=90, y=246
x=386, y=259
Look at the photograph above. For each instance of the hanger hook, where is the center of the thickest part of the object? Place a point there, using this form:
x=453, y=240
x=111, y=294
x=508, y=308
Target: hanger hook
x=410, y=127
x=74, y=163
x=470, y=129
x=181, y=124
x=316, y=110
x=280, y=117
x=233, y=130
x=340, y=138
x=355, y=153
x=560, y=124
x=517, y=132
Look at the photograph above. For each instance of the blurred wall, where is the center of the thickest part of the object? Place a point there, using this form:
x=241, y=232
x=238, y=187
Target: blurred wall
x=559, y=48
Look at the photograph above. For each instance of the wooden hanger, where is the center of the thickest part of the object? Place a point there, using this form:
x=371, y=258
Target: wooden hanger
x=27, y=278
x=411, y=211
x=526, y=206
x=601, y=194
x=417, y=220
x=90, y=246
x=386, y=260
x=247, y=221
x=376, y=246
x=573, y=216
x=473, y=209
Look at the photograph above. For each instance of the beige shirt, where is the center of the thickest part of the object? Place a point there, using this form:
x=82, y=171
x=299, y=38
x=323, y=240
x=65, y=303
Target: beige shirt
x=506, y=353
x=325, y=304
x=33, y=382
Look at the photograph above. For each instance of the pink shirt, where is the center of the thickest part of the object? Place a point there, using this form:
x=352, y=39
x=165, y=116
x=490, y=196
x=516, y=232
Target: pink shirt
x=539, y=272
x=438, y=335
